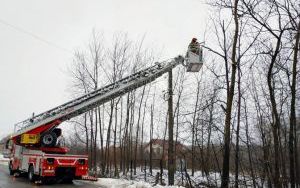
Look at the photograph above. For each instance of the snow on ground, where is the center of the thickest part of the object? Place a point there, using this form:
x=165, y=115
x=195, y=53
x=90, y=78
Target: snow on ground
x=121, y=183
x=3, y=161
x=145, y=180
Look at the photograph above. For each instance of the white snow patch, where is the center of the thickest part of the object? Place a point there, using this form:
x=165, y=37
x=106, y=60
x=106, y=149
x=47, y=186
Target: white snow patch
x=142, y=180
x=121, y=183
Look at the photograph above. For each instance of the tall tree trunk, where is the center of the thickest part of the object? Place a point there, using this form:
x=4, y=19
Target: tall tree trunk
x=107, y=148
x=293, y=110
x=171, y=168
x=132, y=116
x=86, y=134
x=137, y=130
x=297, y=162
x=95, y=141
x=142, y=132
x=116, y=173
x=151, y=138
x=237, y=146
x=102, y=125
x=126, y=136
x=177, y=112
x=193, y=128
x=120, y=137
x=230, y=95
x=91, y=115
x=276, y=118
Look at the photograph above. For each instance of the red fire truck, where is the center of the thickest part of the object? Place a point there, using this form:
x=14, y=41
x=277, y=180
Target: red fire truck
x=43, y=164
x=45, y=159
x=34, y=148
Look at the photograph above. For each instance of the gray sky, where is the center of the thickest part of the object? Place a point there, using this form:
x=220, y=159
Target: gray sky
x=38, y=37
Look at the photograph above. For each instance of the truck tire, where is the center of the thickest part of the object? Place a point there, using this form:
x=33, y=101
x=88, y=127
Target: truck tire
x=31, y=175
x=48, y=139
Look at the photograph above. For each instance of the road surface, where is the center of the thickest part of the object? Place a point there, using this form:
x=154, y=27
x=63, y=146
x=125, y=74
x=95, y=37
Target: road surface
x=7, y=181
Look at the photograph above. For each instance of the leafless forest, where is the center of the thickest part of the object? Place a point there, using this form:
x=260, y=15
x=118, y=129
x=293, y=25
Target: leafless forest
x=237, y=117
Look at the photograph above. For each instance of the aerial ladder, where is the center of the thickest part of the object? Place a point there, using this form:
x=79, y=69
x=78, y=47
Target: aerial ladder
x=35, y=138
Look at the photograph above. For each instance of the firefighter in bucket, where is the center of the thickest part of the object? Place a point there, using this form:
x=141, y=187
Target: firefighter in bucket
x=194, y=56
x=194, y=46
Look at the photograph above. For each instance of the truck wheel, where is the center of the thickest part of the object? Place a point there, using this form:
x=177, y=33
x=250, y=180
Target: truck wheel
x=31, y=175
x=49, y=139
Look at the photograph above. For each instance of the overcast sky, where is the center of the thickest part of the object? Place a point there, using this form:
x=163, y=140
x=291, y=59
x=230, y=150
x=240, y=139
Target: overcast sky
x=38, y=38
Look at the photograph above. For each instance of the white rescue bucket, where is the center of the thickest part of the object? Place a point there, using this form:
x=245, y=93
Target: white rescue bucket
x=194, y=61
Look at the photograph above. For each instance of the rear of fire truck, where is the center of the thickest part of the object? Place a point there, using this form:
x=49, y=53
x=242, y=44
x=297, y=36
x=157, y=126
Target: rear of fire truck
x=43, y=164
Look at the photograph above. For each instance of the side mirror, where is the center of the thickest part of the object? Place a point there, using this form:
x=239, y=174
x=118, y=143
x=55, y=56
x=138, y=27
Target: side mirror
x=8, y=144
x=8, y=149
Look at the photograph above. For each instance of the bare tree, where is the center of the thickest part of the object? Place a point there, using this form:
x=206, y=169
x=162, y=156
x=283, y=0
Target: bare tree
x=292, y=142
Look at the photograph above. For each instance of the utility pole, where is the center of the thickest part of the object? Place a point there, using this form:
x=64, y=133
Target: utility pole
x=171, y=168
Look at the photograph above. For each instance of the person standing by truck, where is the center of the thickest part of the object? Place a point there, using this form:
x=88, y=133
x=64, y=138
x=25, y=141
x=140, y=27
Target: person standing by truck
x=60, y=142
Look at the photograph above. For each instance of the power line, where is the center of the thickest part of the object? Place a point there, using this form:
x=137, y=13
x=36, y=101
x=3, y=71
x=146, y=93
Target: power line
x=34, y=36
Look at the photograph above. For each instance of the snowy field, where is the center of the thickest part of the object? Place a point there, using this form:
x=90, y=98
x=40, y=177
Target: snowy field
x=142, y=180
x=146, y=180
x=122, y=183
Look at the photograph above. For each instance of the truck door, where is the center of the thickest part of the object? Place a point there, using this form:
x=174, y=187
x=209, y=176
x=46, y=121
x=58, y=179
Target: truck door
x=24, y=159
x=17, y=157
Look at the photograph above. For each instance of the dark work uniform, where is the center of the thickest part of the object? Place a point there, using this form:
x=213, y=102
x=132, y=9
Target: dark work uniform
x=194, y=47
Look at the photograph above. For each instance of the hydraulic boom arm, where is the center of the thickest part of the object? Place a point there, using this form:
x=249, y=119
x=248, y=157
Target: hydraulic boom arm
x=52, y=118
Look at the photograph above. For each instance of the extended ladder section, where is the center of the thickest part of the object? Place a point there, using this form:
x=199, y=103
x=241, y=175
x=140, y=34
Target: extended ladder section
x=91, y=100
